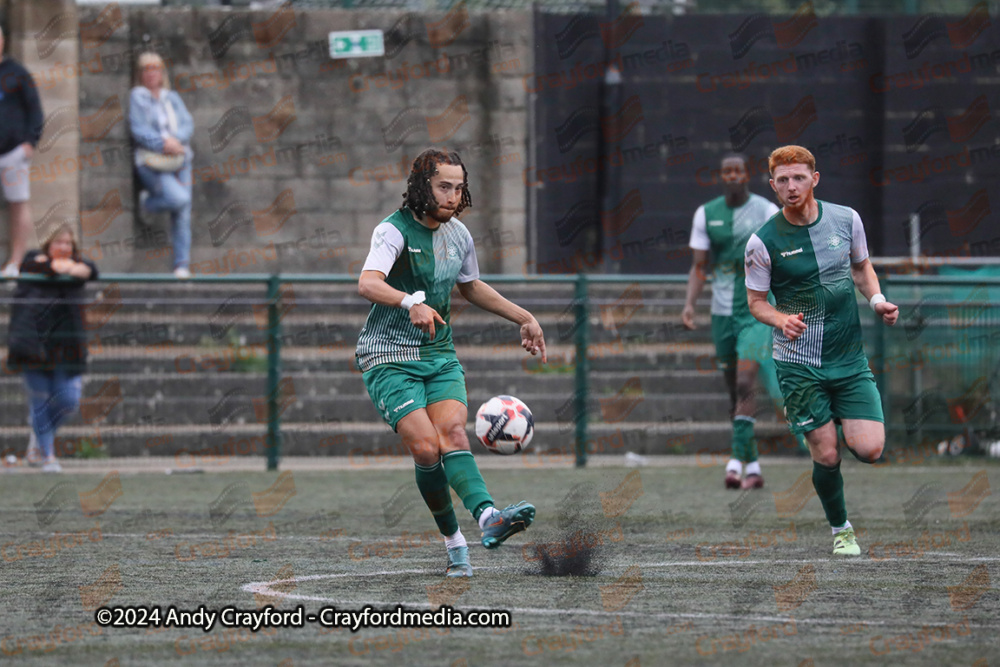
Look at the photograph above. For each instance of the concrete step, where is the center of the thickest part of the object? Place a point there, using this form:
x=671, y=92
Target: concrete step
x=331, y=384
x=241, y=407
x=196, y=446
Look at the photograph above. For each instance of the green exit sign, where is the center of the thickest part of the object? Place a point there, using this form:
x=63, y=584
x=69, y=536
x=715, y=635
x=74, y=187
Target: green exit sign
x=356, y=44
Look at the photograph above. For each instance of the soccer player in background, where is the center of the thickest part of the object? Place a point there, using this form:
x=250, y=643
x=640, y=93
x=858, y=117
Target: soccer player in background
x=742, y=345
x=811, y=257
x=407, y=356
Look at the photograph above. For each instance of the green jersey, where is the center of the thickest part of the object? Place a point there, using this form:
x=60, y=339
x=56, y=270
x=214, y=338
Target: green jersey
x=725, y=231
x=808, y=269
x=414, y=258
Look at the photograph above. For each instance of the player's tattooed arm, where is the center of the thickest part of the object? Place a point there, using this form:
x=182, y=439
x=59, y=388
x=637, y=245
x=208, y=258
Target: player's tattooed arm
x=482, y=295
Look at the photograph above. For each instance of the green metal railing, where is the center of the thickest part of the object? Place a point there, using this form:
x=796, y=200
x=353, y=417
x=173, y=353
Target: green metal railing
x=273, y=283
x=905, y=290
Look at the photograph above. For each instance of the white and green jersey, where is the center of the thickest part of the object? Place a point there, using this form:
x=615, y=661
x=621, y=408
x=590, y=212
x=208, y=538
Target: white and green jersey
x=808, y=269
x=414, y=258
x=725, y=232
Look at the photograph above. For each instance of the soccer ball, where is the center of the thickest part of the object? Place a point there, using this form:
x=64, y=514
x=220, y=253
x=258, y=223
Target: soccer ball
x=504, y=425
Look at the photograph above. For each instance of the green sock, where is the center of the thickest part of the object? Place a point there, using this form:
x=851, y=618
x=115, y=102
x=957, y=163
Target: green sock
x=829, y=485
x=744, y=442
x=433, y=484
x=465, y=478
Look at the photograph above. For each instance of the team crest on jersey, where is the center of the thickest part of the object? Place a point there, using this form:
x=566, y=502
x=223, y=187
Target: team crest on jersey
x=452, y=252
x=835, y=241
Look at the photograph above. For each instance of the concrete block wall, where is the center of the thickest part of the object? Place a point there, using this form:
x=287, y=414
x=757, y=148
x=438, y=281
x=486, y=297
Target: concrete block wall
x=297, y=156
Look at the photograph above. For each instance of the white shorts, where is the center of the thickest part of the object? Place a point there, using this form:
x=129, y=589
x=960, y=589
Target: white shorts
x=14, y=176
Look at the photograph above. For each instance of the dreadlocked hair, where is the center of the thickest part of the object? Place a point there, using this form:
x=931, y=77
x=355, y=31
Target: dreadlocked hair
x=418, y=196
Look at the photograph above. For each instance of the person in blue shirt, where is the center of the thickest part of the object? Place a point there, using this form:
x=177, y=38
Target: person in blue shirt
x=161, y=129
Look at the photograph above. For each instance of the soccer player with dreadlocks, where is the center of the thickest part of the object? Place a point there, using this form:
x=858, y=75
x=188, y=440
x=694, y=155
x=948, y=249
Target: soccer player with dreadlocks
x=407, y=357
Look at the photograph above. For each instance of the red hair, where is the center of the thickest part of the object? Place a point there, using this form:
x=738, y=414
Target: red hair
x=790, y=155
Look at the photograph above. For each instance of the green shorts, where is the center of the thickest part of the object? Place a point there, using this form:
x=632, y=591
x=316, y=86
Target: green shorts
x=397, y=389
x=814, y=396
x=740, y=338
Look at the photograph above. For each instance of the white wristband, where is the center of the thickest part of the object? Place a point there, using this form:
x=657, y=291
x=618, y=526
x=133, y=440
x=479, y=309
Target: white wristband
x=876, y=300
x=410, y=300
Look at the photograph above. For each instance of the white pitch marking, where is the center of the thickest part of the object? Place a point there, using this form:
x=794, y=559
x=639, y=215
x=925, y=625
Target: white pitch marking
x=264, y=588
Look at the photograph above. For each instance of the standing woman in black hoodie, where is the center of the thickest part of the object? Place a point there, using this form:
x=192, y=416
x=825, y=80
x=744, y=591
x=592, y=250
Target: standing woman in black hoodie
x=47, y=341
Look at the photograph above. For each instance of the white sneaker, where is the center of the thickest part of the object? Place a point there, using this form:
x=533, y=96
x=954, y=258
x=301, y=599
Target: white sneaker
x=33, y=455
x=182, y=273
x=52, y=465
x=10, y=271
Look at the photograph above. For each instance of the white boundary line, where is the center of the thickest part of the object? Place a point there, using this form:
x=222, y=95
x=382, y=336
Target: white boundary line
x=264, y=588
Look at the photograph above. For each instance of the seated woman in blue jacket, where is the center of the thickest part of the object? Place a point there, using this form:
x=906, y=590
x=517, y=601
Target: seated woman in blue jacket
x=161, y=128
x=47, y=340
